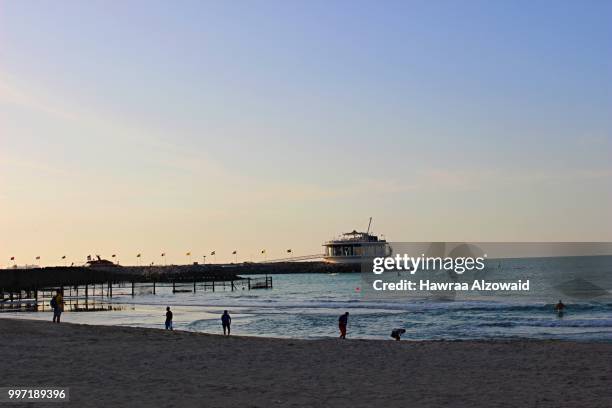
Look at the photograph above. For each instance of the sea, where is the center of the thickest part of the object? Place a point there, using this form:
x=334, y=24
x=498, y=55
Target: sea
x=307, y=306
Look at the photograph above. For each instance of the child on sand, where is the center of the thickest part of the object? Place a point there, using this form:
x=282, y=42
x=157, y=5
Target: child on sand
x=169, y=319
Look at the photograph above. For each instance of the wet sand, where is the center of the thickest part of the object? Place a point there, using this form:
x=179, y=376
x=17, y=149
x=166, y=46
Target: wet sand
x=119, y=366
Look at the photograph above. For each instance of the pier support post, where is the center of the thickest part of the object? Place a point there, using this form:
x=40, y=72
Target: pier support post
x=132, y=288
x=173, y=286
x=153, y=287
x=249, y=283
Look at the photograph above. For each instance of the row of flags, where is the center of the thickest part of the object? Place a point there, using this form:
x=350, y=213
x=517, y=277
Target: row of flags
x=37, y=257
x=213, y=253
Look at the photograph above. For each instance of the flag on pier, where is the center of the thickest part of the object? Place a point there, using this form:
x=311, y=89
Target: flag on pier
x=263, y=251
x=235, y=252
x=113, y=255
x=163, y=254
x=212, y=253
x=138, y=256
x=63, y=256
x=188, y=254
x=289, y=251
x=12, y=258
x=38, y=257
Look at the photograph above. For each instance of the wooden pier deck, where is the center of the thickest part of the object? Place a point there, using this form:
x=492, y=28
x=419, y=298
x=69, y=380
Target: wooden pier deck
x=84, y=286
x=89, y=288
x=82, y=298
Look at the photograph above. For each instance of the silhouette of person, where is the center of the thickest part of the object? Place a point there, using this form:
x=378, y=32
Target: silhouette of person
x=226, y=322
x=57, y=303
x=342, y=323
x=169, y=319
x=559, y=307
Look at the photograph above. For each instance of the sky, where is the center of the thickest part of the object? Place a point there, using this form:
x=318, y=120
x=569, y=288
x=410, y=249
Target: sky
x=192, y=126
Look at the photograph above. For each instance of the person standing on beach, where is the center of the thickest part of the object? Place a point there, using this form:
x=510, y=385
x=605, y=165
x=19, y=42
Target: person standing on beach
x=57, y=303
x=168, y=319
x=342, y=323
x=226, y=321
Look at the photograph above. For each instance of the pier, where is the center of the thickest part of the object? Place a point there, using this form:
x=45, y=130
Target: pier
x=94, y=297
x=87, y=288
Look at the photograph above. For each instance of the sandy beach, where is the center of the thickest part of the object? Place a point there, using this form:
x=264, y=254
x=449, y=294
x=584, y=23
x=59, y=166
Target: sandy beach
x=121, y=366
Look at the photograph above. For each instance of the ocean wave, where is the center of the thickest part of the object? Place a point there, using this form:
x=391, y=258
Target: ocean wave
x=583, y=323
x=391, y=306
x=575, y=323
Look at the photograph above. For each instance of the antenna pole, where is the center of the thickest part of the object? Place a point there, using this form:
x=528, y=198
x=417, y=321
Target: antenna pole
x=369, y=224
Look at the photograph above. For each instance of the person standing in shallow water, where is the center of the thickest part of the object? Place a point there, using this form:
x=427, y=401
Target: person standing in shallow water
x=342, y=323
x=226, y=321
x=169, y=319
x=559, y=308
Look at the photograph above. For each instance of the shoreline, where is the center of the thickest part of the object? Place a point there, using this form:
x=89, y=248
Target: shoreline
x=405, y=339
x=145, y=319
x=155, y=368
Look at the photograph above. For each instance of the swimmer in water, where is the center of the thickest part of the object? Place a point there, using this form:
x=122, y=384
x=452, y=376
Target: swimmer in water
x=559, y=307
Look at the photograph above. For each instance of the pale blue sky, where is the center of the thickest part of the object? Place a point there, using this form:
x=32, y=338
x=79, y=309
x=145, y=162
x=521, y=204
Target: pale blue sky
x=264, y=124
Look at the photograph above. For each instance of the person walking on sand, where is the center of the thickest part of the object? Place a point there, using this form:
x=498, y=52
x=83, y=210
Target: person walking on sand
x=226, y=321
x=342, y=323
x=559, y=307
x=57, y=304
x=169, y=319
